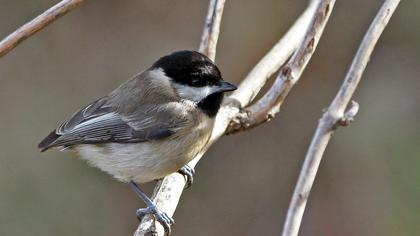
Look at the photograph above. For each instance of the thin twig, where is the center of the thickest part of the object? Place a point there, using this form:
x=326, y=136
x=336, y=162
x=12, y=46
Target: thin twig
x=334, y=116
x=211, y=29
x=265, y=109
x=35, y=25
x=168, y=192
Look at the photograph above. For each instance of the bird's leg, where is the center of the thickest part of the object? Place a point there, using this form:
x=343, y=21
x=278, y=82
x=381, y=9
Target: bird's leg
x=188, y=173
x=152, y=209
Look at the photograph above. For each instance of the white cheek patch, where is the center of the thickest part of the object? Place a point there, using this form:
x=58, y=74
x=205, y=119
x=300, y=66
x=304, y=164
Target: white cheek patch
x=195, y=94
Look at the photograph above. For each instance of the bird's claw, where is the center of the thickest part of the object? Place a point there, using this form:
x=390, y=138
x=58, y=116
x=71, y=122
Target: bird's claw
x=160, y=216
x=188, y=173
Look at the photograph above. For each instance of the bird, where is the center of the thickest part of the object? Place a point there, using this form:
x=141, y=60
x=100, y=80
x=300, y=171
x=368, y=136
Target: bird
x=150, y=126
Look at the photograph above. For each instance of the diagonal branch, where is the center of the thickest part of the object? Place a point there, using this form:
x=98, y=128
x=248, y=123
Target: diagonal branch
x=333, y=117
x=37, y=24
x=265, y=109
x=168, y=191
x=275, y=58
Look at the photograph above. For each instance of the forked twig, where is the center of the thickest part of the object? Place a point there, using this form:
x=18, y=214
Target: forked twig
x=168, y=191
x=300, y=41
x=265, y=109
x=333, y=117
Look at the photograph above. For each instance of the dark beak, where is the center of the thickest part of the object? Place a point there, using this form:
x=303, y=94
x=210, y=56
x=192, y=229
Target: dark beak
x=226, y=86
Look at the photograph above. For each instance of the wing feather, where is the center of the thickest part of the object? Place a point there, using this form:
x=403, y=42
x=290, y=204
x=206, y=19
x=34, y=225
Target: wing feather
x=98, y=122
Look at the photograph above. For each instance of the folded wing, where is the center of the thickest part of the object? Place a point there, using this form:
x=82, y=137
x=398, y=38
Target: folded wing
x=101, y=123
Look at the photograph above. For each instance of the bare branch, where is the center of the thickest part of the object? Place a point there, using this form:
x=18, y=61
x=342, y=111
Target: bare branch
x=334, y=116
x=35, y=25
x=265, y=109
x=275, y=58
x=167, y=193
x=305, y=32
x=211, y=29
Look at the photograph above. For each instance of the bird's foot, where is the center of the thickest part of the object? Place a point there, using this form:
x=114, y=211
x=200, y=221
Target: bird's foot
x=188, y=173
x=165, y=220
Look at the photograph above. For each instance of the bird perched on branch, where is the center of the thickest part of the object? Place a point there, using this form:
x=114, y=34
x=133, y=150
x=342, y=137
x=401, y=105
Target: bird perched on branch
x=150, y=126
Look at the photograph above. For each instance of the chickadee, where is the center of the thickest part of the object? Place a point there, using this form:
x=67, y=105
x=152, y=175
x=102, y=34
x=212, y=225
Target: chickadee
x=150, y=126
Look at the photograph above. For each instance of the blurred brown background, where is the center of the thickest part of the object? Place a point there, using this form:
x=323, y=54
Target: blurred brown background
x=368, y=183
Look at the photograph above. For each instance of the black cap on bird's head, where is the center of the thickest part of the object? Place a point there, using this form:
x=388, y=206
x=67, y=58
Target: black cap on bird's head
x=193, y=69
x=196, y=78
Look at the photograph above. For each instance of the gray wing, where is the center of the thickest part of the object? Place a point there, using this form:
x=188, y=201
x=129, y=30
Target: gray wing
x=100, y=123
